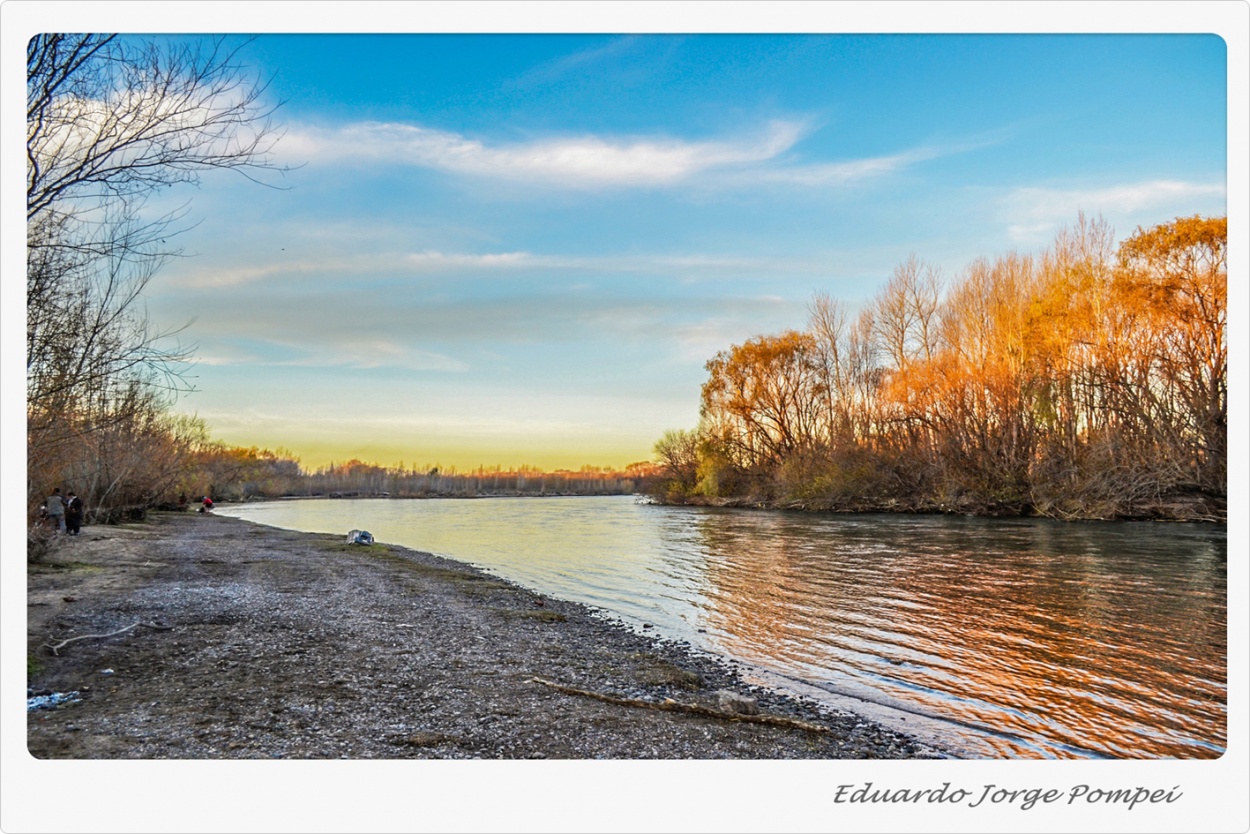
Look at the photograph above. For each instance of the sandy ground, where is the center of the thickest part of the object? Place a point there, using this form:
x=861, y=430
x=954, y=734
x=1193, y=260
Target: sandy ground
x=206, y=637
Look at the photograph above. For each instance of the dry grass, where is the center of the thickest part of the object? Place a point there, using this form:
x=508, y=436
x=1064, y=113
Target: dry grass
x=653, y=671
x=542, y=615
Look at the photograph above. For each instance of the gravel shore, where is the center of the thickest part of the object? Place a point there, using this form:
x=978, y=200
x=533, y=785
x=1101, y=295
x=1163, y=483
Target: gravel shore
x=205, y=637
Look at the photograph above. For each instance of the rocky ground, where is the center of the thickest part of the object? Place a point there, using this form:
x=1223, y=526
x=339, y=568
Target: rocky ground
x=207, y=637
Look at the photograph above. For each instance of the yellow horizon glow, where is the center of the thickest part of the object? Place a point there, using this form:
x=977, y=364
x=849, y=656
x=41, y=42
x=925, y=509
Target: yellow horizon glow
x=446, y=455
x=465, y=446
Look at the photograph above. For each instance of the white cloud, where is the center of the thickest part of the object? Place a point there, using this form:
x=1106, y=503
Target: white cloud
x=591, y=161
x=311, y=341
x=432, y=262
x=571, y=162
x=700, y=341
x=216, y=278
x=845, y=173
x=176, y=134
x=364, y=264
x=348, y=351
x=1034, y=213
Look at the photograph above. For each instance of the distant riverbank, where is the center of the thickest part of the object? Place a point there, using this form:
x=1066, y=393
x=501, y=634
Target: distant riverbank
x=1200, y=508
x=1194, y=508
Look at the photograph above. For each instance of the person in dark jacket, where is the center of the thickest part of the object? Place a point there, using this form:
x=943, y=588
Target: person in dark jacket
x=73, y=514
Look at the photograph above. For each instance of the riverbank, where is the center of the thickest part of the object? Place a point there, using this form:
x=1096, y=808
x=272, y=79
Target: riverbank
x=1199, y=508
x=205, y=637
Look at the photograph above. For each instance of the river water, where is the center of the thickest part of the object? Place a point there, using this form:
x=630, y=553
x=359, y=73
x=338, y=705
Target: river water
x=1014, y=638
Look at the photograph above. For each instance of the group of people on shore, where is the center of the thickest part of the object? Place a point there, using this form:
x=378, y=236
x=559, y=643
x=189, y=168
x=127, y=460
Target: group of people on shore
x=65, y=513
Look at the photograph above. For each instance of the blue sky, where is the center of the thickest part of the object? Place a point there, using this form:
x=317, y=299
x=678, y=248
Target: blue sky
x=521, y=249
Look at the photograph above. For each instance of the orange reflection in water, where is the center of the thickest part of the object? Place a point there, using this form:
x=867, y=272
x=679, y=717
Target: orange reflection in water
x=1055, y=640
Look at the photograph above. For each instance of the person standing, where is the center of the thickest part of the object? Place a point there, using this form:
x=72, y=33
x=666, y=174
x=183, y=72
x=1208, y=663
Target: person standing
x=73, y=514
x=55, y=506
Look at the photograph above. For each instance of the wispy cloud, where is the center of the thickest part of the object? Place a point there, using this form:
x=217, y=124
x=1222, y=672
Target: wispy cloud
x=434, y=260
x=850, y=171
x=342, y=347
x=364, y=352
x=758, y=157
x=579, y=62
x=1034, y=212
x=569, y=162
x=430, y=262
x=360, y=264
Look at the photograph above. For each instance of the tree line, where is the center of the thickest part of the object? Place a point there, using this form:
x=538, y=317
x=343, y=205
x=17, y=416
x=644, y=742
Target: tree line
x=1089, y=381
x=356, y=478
x=110, y=123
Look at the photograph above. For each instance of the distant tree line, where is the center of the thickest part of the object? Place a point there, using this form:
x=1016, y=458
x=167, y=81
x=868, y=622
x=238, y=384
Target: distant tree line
x=234, y=473
x=1087, y=382
x=356, y=478
x=176, y=466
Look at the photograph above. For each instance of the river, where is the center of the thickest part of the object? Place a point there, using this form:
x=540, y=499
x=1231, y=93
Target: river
x=1020, y=638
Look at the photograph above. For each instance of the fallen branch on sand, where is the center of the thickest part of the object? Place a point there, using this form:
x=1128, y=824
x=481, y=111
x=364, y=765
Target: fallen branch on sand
x=56, y=649
x=669, y=705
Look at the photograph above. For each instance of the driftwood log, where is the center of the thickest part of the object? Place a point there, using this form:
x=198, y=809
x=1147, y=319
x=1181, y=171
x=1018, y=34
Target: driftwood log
x=669, y=705
x=56, y=648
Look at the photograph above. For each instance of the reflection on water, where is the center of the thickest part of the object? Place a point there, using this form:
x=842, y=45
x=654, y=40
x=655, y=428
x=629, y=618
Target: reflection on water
x=1031, y=638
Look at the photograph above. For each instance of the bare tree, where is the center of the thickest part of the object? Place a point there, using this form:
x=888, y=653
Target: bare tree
x=112, y=121
x=827, y=322
x=678, y=454
x=907, y=313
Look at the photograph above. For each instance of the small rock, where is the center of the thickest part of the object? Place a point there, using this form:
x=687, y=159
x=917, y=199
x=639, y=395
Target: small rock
x=733, y=702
